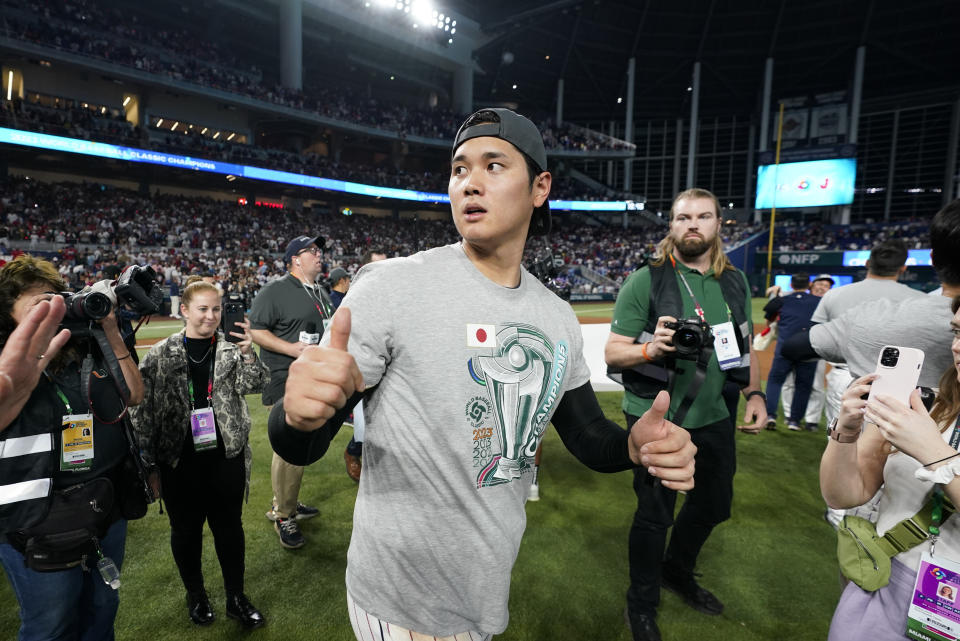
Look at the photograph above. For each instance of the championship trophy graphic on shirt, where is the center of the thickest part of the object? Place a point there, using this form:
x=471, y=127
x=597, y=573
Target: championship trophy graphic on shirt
x=523, y=375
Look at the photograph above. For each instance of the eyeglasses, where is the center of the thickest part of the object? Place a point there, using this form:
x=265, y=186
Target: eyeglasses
x=312, y=250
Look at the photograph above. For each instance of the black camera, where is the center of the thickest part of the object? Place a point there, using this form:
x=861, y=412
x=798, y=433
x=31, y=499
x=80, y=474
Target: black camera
x=137, y=289
x=690, y=336
x=85, y=306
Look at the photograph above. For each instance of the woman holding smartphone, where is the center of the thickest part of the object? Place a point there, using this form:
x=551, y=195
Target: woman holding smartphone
x=194, y=424
x=911, y=453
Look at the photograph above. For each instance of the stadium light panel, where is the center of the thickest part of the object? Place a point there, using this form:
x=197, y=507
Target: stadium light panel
x=452, y=31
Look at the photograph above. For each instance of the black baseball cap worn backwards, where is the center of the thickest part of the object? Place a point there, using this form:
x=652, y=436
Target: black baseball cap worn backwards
x=520, y=132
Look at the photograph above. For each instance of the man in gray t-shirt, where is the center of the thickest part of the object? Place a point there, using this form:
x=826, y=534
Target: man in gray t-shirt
x=463, y=359
x=288, y=315
x=884, y=267
x=859, y=334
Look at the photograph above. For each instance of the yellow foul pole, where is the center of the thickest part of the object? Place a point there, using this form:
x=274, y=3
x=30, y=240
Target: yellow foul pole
x=773, y=210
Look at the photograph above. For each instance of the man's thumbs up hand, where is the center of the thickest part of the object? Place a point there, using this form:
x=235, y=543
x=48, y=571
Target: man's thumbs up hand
x=322, y=379
x=662, y=447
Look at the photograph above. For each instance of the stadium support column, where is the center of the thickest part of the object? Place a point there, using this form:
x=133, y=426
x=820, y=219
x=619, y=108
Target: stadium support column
x=855, y=114
x=612, y=131
x=694, y=126
x=748, y=199
x=676, y=157
x=765, y=110
x=628, y=126
x=463, y=89
x=950, y=178
x=892, y=162
x=291, y=43
x=559, y=101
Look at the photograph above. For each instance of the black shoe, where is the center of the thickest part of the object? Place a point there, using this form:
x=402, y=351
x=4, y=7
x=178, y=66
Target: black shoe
x=198, y=605
x=686, y=588
x=289, y=533
x=240, y=608
x=643, y=627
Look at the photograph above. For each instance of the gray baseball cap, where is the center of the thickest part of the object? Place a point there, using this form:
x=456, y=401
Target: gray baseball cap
x=520, y=132
x=336, y=274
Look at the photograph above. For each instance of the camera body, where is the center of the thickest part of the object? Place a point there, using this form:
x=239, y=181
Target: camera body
x=690, y=336
x=136, y=288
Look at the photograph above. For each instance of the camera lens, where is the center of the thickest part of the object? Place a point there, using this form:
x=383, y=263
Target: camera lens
x=686, y=338
x=889, y=357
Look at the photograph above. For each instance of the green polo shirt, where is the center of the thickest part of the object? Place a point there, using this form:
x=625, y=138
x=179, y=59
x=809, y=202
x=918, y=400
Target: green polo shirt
x=630, y=319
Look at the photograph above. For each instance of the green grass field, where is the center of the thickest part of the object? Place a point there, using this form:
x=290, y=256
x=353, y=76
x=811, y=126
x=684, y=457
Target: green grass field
x=772, y=564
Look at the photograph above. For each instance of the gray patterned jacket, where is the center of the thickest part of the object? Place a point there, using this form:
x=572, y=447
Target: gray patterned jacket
x=162, y=421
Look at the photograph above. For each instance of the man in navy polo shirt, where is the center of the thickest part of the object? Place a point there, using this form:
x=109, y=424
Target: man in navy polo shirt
x=795, y=311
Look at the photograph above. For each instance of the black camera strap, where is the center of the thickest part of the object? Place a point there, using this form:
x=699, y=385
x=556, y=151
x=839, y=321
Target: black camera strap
x=113, y=366
x=699, y=376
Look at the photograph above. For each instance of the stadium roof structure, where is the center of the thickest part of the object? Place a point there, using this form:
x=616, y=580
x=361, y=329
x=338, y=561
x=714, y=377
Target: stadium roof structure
x=911, y=47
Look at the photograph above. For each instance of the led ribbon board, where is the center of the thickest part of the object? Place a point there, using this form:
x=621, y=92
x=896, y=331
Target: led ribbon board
x=132, y=154
x=915, y=257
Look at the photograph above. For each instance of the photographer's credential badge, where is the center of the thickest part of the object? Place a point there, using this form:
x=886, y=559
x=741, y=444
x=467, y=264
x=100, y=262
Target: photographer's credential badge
x=523, y=373
x=204, y=429
x=725, y=346
x=77, y=443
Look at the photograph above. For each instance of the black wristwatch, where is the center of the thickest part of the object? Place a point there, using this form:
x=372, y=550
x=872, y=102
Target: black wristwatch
x=757, y=392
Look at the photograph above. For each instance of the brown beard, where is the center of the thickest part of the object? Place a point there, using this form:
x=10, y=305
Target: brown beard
x=692, y=247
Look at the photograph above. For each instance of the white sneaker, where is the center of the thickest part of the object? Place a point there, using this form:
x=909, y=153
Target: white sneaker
x=534, y=494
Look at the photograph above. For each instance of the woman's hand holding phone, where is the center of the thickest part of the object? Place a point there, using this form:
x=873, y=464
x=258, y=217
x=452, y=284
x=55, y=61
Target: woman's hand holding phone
x=909, y=429
x=854, y=403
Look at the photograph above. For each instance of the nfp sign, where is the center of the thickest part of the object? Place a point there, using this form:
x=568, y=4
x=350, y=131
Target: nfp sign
x=789, y=260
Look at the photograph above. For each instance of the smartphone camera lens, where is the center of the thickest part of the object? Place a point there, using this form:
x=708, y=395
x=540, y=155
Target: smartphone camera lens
x=890, y=357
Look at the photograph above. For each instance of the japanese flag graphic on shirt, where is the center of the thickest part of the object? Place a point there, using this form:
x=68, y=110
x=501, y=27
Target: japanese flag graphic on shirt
x=480, y=335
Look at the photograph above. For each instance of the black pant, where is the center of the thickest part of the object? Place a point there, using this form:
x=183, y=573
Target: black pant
x=705, y=507
x=206, y=487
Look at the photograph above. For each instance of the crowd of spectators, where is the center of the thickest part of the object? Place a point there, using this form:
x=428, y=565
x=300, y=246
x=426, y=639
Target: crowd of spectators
x=84, y=27
x=89, y=225
x=70, y=118
x=805, y=236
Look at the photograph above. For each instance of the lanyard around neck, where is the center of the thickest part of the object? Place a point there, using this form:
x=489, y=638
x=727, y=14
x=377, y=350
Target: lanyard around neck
x=696, y=304
x=213, y=340
x=63, y=397
x=315, y=298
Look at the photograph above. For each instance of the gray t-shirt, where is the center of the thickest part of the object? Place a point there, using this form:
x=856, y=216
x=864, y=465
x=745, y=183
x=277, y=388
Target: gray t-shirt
x=856, y=337
x=285, y=307
x=842, y=299
x=467, y=374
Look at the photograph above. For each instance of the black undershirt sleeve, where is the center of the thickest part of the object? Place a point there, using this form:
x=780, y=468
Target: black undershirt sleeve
x=303, y=448
x=798, y=347
x=596, y=441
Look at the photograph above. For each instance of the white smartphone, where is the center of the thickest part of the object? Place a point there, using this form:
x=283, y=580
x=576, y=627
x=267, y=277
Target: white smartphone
x=898, y=370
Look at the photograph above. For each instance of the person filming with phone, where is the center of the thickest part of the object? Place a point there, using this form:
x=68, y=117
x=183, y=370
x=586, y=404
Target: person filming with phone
x=880, y=440
x=194, y=424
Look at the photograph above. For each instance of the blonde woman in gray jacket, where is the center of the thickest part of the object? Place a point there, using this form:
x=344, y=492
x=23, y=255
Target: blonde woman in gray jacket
x=194, y=424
